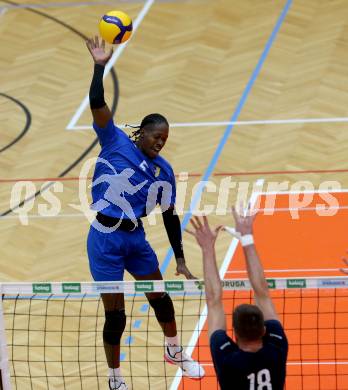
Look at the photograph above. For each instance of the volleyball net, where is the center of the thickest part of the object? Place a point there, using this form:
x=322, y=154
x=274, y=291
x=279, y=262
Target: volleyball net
x=51, y=333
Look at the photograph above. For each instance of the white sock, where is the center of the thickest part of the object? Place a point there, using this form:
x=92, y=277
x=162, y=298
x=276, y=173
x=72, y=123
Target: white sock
x=173, y=344
x=172, y=340
x=114, y=372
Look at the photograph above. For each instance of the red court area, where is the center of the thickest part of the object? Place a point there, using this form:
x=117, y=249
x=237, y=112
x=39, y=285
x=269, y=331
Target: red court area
x=315, y=319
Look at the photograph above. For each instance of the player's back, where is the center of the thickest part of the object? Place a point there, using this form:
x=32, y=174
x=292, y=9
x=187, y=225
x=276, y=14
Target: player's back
x=240, y=370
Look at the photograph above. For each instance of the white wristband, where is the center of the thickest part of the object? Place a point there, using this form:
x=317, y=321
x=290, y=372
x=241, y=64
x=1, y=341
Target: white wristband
x=246, y=240
x=233, y=232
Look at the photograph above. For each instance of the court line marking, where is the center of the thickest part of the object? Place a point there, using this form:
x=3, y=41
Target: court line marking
x=111, y=62
x=315, y=191
x=3, y=10
x=85, y=3
x=289, y=270
x=190, y=175
x=59, y=5
x=316, y=363
x=82, y=215
x=316, y=208
x=240, y=123
x=229, y=128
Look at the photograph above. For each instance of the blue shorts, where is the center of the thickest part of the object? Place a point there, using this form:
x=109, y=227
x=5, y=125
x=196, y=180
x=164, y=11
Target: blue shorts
x=111, y=253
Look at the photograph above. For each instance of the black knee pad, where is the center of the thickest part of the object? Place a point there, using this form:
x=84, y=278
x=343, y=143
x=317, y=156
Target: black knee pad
x=115, y=322
x=163, y=307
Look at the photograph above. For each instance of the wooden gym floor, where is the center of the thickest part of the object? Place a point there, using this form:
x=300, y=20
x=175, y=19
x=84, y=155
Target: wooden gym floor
x=201, y=63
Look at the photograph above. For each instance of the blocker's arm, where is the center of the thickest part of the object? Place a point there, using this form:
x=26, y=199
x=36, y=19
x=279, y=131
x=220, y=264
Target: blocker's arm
x=244, y=226
x=213, y=291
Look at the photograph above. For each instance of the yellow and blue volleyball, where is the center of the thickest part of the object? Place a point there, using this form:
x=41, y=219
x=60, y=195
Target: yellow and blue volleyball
x=115, y=27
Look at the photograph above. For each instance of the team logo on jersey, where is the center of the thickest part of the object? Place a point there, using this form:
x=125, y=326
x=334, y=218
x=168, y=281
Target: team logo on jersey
x=157, y=171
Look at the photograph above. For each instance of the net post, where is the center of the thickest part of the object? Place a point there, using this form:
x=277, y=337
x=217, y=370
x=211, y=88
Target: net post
x=5, y=382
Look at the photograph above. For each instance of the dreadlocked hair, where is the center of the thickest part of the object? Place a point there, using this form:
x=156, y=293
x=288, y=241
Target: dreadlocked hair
x=152, y=119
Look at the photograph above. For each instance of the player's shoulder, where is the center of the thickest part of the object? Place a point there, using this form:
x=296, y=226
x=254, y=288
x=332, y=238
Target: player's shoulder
x=274, y=325
x=161, y=160
x=219, y=339
x=110, y=126
x=275, y=334
x=164, y=165
x=111, y=133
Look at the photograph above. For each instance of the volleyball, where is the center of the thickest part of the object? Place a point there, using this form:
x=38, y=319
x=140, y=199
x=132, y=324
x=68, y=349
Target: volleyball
x=115, y=27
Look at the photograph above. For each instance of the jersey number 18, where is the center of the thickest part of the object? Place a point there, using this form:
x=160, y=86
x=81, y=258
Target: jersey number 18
x=263, y=379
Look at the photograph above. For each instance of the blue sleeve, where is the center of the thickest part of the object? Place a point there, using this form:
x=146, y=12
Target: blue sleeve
x=220, y=346
x=107, y=134
x=275, y=334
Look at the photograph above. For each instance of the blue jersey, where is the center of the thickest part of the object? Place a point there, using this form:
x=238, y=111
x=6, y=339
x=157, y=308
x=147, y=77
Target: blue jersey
x=240, y=370
x=127, y=183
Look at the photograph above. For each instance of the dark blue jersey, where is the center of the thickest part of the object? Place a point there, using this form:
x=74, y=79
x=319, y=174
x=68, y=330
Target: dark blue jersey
x=261, y=370
x=127, y=183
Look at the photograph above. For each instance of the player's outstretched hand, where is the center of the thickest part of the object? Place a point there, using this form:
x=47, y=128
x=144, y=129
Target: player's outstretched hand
x=97, y=50
x=345, y=270
x=181, y=269
x=204, y=235
x=244, y=219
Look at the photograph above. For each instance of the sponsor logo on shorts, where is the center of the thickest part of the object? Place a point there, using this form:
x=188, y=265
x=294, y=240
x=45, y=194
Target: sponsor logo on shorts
x=71, y=287
x=296, y=283
x=174, y=286
x=42, y=288
x=144, y=286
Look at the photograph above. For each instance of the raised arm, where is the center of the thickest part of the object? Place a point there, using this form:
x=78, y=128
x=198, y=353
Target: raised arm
x=100, y=111
x=244, y=225
x=213, y=291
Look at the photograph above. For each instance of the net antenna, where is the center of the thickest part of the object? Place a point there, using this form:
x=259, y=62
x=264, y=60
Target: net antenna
x=5, y=383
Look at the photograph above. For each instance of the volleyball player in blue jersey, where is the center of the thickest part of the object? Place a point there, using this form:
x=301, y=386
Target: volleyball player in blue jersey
x=127, y=176
x=257, y=360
